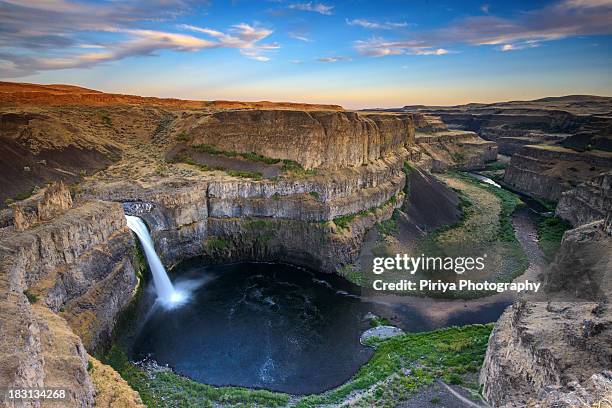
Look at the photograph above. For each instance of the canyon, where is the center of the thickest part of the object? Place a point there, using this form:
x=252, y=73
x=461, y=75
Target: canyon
x=281, y=182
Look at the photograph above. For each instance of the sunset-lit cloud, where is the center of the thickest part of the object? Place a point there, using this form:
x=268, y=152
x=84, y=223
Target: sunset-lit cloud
x=565, y=19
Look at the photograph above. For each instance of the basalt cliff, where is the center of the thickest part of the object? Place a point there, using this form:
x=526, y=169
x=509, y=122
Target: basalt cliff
x=232, y=181
x=222, y=180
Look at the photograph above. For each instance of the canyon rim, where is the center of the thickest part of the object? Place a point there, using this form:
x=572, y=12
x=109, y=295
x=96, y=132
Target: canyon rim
x=405, y=228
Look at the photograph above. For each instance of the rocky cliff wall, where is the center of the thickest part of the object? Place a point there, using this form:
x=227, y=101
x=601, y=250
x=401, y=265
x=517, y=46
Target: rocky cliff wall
x=81, y=261
x=315, y=139
x=180, y=212
x=548, y=171
x=587, y=202
x=456, y=150
x=63, y=282
x=555, y=351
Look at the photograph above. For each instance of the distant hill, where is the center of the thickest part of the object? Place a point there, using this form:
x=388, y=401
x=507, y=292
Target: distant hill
x=574, y=104
x=15, y=93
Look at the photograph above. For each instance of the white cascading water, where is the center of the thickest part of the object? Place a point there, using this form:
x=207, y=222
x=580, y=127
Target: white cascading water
x=166, y=293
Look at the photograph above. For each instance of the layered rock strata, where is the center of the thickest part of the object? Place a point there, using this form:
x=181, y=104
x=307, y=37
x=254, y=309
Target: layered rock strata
x=321, y=139
x=587, y=202
x=64, y=279
x=548, y=171
x=557, y=351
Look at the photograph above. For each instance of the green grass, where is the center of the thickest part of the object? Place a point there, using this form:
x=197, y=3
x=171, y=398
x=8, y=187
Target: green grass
x=549, y=205
x=379, y=321
x=32, y=298
x=252, y=156
x=351, y=273
x=344, y=221
x=183, y=137
x=388, y=227
x=216, y=244
x=103, y=115
x=447, y=354
x=255, y=175
x=550, y=233
x=407, y=169
x=295, y=169
x=496, y=165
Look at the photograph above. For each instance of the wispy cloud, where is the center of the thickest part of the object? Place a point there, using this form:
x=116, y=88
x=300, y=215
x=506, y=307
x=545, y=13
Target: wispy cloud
x=519, y=46
x=47, y=35
x=242, y=36
x=485, y=8
x=336, y=58
x=439, y=51
x=298, y=36
x=375, y=25
x=314, y=7
x=379, y=47
x=563, y=19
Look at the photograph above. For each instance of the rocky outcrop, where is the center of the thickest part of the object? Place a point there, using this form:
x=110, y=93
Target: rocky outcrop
x=548, y=171
x=538, y=347
x=38, y=349
x=112, y=391
x=79, y=263
x=321, y=139
x=456, y=150
x=555, y=349
x=587, y=202
x=43, y=206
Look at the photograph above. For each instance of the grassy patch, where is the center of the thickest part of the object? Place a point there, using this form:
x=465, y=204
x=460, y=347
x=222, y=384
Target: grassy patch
x=448, y=354
x=255, y=175
x=379, y=321
x=388, y=227
x=352, y=274
x=32, y=297
x=496, y=165
x=344, y=221
x=183, y=137
x=203, y=167
x=103, y=115
x=289, y=167
x=216, y=244
x=550, y=233
x=295, y=169
x=484, y=228
x=407, y=169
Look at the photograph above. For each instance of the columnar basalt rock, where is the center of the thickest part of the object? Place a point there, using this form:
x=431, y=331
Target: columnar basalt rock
x=321, y=139
x=587, y=202
x=548, y=171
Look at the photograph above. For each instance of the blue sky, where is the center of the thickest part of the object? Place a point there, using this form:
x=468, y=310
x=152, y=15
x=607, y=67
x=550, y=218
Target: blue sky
x=355, y=53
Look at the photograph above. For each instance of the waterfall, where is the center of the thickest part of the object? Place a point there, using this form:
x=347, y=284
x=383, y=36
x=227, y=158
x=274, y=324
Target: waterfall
x=166, y=293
